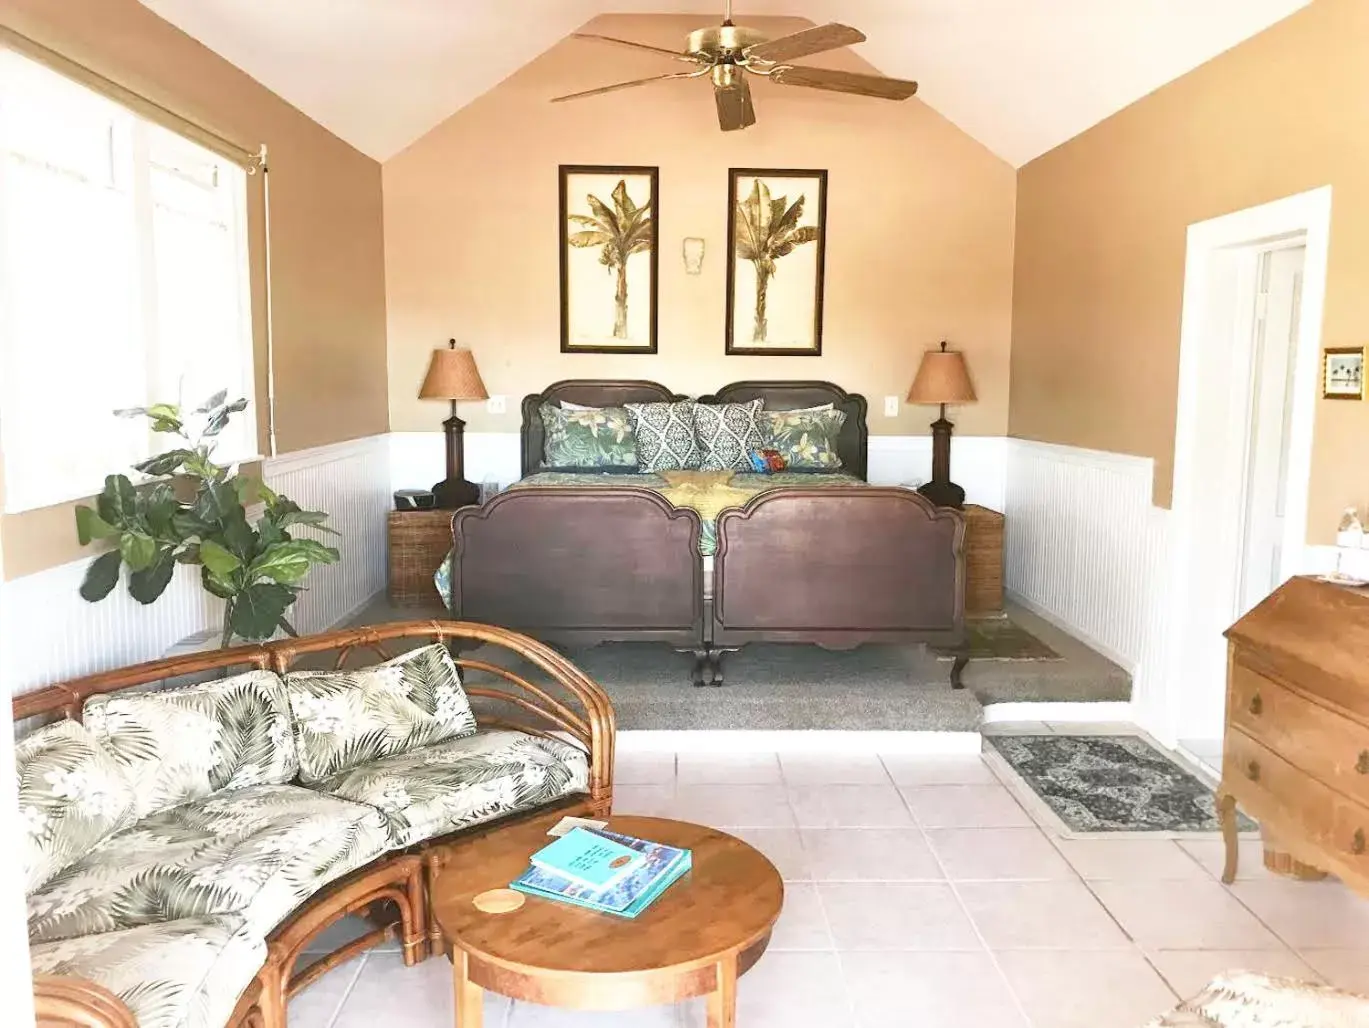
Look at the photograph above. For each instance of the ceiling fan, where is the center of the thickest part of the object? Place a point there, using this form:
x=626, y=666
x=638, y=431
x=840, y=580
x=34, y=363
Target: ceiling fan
x=728, y=53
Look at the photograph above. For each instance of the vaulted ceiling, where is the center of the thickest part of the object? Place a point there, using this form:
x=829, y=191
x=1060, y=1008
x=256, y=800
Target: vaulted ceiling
x=1021, y=76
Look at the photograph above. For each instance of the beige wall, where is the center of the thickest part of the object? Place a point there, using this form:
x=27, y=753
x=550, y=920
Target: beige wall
x=327, y=255
x=1101, y=228
x=920, y=234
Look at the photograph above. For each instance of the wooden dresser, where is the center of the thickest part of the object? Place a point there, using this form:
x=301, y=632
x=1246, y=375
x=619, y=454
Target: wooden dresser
x=1296, y=752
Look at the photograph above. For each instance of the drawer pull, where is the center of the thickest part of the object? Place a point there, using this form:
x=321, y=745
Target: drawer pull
x=1362, y=765
x=1256, y=705
x=1357, y=843
x=1252, y=770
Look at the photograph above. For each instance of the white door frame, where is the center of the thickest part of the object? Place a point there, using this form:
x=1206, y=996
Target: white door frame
x=1308, y=214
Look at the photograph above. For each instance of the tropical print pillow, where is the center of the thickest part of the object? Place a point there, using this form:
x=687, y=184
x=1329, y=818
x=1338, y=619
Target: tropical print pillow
x=185, y=744
x=589, y=437
x=727, y=433
x=71, y=796
x=665, y=435
x=806, y=439
x=346, y=718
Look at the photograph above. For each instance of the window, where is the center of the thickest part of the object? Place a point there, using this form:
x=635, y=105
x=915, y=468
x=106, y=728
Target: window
x=123, y=282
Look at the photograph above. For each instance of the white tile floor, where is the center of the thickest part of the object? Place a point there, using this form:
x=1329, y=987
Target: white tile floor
x=918, y=892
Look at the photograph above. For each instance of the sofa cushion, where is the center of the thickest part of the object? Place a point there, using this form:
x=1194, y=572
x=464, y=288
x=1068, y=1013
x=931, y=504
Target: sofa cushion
x=71, y=795
x=346, y=718
x=187, y=973
x=184, y=744
x=258, y=851
x=439, y=789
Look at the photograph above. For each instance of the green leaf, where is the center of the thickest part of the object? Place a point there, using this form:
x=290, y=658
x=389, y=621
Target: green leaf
x=269, y=533
x=137, y=549
x=216, y=586
x=237, y=534
x=149, y=583
x=259, y=608
x=118, y=504
x=186, y=524
x=218, y=420
x=214, y=401
x=218, y=560
x=159, y=510
x=312, y=518
x=189, y=554
x=89, y=526
x=289, y=562
x=102, y=575
x=164, y=463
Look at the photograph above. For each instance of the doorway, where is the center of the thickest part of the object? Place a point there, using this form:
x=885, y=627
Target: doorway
x=1253, y=293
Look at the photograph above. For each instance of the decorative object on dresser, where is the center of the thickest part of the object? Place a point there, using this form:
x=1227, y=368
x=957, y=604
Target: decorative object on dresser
x=696, y=939
x=942, y=378
x=419, y=541
x=608, y=223
x=983, y=561
x=726, y=54
x=777, y=221
x=452, y=375
x=1296, y=754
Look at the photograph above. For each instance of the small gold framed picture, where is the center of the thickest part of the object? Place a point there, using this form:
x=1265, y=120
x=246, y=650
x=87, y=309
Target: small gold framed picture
x=1342, y=373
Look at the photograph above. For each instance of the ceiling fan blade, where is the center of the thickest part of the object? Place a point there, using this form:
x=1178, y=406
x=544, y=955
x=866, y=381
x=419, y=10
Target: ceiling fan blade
x=816, y=40
x=674, y=54
x=623, y=85
x=846, y=82
x=735, y=110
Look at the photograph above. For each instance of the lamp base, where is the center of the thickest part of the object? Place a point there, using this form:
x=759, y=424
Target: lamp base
x=943, y=494
x=451, y=493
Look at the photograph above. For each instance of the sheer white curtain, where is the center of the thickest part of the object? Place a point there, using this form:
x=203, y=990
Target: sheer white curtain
x=123, y=282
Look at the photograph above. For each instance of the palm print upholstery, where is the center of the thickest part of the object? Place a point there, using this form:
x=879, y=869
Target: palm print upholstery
x=806, y=439
x=186, y=973
x=259, y=851
x=184, y=744
x=438, y=789
x=346, y=718
x=590, y=437
x=71, y=795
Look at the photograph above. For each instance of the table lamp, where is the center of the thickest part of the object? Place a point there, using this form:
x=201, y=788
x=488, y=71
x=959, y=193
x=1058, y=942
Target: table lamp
x=942, y=378
x=452, y=375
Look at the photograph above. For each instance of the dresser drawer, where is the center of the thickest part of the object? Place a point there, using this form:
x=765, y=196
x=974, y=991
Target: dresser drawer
x=1276, y=791
x=1329, y=746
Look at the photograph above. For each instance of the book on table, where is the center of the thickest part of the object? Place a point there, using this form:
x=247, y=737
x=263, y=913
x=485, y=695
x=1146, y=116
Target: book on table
x=588, y=859
x=661, y=867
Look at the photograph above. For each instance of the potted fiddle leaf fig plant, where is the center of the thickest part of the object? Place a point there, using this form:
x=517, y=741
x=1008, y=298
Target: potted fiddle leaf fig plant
x=191, y=510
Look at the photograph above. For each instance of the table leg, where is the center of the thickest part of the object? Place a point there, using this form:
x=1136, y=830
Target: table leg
x=1226, y=809
x=469, y=997
x=722, y=1001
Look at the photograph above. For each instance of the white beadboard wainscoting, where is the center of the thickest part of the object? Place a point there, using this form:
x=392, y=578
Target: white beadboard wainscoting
x=1086, y=549
x=418, y=459
x=51, y=634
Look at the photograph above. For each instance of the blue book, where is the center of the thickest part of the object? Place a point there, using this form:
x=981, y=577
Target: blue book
x=663, y=865
x=588, y=859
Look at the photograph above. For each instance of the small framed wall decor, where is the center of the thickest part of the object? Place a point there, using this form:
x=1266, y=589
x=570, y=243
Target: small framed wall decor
x=776, y=245
x=1342, y=373
x=608, y=259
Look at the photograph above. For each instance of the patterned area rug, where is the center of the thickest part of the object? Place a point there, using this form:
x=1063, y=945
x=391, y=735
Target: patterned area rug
x=1000, y=639
x=1112, y=783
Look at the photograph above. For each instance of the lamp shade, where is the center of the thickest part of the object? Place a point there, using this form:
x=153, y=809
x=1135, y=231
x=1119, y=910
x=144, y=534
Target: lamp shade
x=452, y=375
x=942, y=377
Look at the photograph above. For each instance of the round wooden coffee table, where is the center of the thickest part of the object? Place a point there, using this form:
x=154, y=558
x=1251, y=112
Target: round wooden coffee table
x=704, y=931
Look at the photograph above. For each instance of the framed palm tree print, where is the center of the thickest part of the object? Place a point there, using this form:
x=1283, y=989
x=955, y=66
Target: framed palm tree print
x=776, y=244
x=608, y=259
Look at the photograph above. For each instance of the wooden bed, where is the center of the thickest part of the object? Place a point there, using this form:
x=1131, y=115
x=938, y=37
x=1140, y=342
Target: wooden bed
x=838, y=566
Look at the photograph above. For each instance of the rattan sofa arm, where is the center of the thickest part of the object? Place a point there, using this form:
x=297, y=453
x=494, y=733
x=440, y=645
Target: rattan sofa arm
x=62, y=1002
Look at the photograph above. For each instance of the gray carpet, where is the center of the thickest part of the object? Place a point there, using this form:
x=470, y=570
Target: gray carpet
x=806, y=687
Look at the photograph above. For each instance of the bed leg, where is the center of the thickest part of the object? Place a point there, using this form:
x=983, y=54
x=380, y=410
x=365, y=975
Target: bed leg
x=700, y=663
x=957, y=666
x=715, y=660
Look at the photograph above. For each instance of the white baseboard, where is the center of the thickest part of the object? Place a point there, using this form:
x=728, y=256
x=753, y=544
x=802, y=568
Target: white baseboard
x=1065, y=625
x=941, y=744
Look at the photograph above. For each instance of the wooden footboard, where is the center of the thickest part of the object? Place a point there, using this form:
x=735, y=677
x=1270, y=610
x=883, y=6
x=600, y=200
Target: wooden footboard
x=839, y=567
x=581, y=565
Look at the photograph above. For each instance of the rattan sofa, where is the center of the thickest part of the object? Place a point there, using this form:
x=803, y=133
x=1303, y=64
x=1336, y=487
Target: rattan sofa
x=537, y=694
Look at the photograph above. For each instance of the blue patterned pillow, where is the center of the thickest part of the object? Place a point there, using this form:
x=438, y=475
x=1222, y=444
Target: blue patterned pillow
x=665, y=435
x=727, y=433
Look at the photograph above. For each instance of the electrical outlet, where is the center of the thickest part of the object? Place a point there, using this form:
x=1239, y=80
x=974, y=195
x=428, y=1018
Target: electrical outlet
x=495, y=405
x=891, y=406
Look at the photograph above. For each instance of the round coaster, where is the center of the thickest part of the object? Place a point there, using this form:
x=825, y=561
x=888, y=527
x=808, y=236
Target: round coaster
x=498, y=901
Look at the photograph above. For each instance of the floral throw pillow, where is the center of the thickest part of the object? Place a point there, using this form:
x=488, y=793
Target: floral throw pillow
x=665, y=435
x=71, y=795
x=727, y=433
x=346, y=718
x=588, y=437
x=805, y=439
x=183, y=744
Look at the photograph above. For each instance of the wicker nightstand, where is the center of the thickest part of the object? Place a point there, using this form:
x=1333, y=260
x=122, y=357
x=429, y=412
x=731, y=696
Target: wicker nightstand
x=419, y=540
x=983, y=560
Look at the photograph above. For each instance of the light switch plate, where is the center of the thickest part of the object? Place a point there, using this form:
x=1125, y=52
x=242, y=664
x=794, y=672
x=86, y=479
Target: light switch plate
x=495, y=405
x=891, y=406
